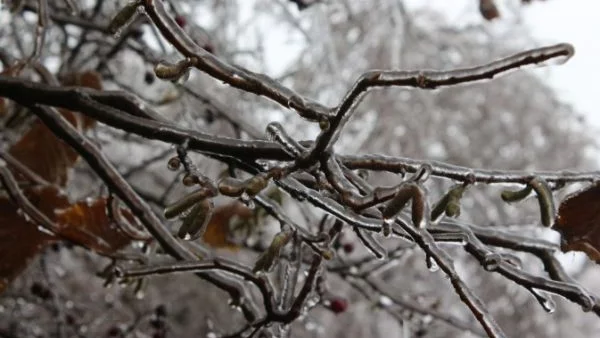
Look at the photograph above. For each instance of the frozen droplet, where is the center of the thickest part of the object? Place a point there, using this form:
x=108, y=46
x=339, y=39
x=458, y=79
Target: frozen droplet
x=295, y=100
x=59, y=271
x=37, y=331
x=138, y=244
x=515, y=261
x=310, y=326
x=109, y=298
x=545, y=300
x=283, y=330
x=386, y=229
x=89, y=201
x=272, y=130
x=385, y=301
x=211, y=335
x=247, y=200
x=187, y=237
x=174, y=163
x=557, y=61
x=236, y=307
x=492, y=261
x=427, y=319
x=184, y=77
x=432, y=264
x=315, y=299
x=83, y=329
x=549, y=305
x=46, y=231
x=324, y=124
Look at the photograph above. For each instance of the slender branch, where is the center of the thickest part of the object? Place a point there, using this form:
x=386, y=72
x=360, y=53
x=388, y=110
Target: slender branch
x=411, y=306
x=126, y=116
x=462, y=174
x=24, y=170
x=116, y=183
x=237, y=77
x=10, y=184
x=424, y=80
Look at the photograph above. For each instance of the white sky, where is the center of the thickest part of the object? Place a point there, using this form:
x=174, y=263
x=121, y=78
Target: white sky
x=549, y=21
x=552, y=21
x=576, y=22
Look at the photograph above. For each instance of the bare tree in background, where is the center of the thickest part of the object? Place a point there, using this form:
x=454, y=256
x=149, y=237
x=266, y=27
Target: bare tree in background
x=282, y=225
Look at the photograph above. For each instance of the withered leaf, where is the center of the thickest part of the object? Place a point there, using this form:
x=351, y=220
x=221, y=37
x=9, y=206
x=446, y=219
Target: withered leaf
x=44, y=153
x=578, y=222
x=20, y=242
x=224, y=219
x=84, y=223
x=87, y=223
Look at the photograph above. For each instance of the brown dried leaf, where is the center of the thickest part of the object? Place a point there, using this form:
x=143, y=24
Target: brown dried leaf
x=20, y=242
x=82, y=223
x=218, y=230
x=45, y=154
x=3, y=107
x=87, y=223
x=578, y=222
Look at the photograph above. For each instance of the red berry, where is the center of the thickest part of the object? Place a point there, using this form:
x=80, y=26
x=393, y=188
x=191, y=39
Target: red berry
x=70, y=320
x=348, y=248
x=161, y=310
x=180, y=20
x=149, y=78
x=338, y=305
x=174, y=163
x=137, y=33
x=41, y=291
x=190, y=179
x=488, y=9
x=157, y=323
x=114, y=331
